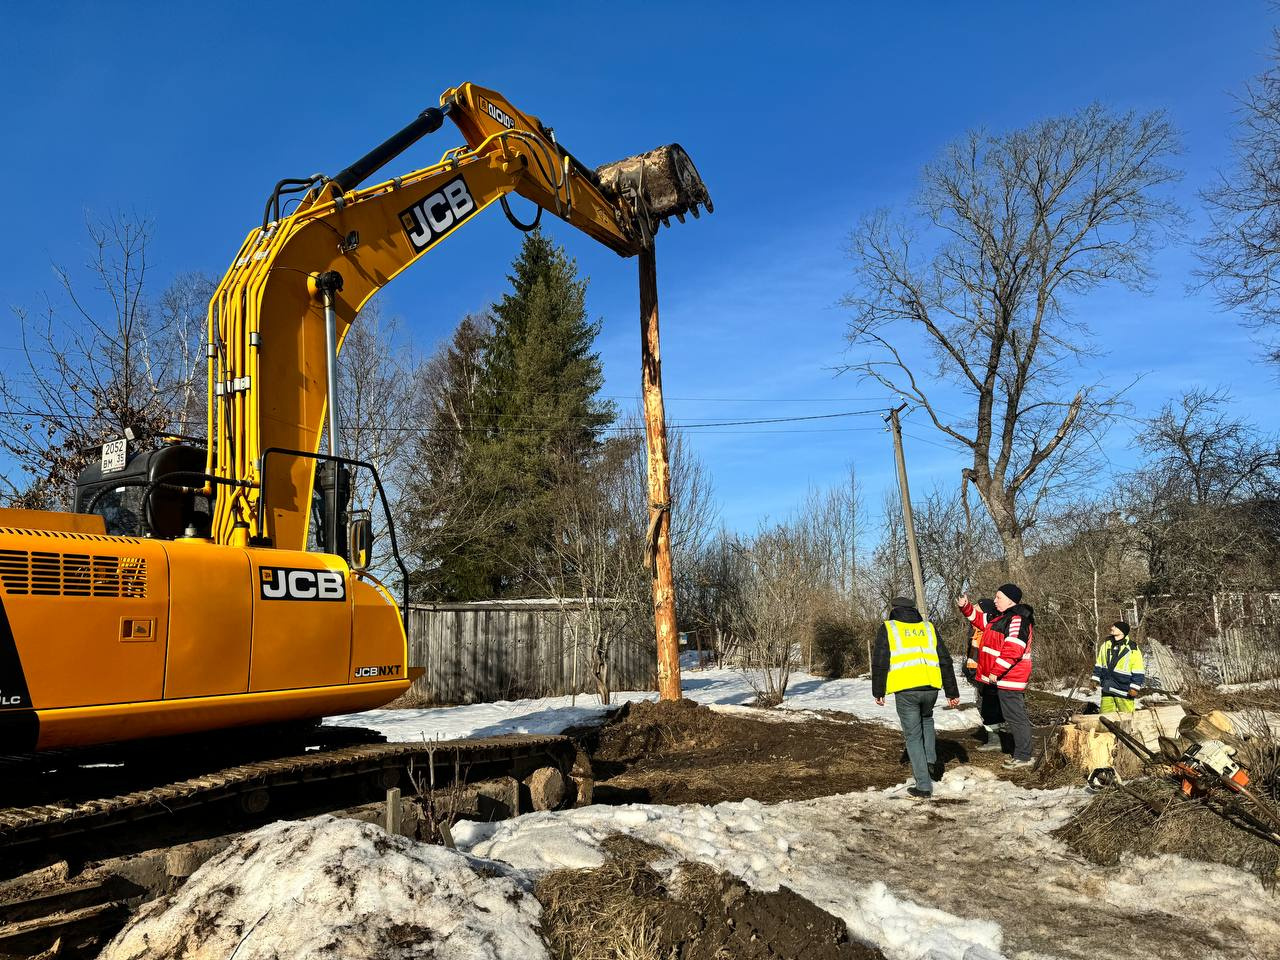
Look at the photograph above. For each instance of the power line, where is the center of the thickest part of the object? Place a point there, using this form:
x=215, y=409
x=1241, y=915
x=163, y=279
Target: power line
x=44, y=414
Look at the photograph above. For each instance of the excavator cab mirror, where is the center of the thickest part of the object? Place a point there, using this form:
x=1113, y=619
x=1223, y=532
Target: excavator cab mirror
x=359, y=539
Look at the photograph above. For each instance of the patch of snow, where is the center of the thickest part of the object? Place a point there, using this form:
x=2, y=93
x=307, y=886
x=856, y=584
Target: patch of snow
x=1083, y=692
x=340, y=889
x=1255, y=722
x=1271, y=684
x=975, y=877
x=714, y=686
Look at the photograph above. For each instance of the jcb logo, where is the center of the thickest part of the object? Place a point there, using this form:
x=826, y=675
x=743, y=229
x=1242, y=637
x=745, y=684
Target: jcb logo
x=390, y=670
x=287, y=583
x=431, y=218
x=498, y=114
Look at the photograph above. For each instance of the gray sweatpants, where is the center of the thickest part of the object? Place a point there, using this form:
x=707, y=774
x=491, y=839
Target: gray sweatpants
x=1013, y=704
x=915, y=712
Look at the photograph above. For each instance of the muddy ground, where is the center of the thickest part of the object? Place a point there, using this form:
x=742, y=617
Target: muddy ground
x=626, y=909
x=663, y=752
x=683, y=752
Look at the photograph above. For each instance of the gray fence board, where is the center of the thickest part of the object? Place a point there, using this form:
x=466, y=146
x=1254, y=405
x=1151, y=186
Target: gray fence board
x=503, y=650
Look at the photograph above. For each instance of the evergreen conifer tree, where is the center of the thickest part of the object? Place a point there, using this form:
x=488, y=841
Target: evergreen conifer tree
x=537, y=421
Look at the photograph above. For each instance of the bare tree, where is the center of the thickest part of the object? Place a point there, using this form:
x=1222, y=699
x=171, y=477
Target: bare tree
x=956, y=544
x=100, y=359
x=1206, y=499
x=383, y=401
x=780, y=578
x=889, y=571
x=595, y=567
x=1240, y=255
x=1016, y=226
x=1088, y=564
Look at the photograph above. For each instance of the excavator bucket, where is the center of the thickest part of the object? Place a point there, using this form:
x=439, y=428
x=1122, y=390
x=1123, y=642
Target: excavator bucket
x=658, y=185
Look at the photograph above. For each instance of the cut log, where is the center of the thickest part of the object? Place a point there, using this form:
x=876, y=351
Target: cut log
x=546, y=788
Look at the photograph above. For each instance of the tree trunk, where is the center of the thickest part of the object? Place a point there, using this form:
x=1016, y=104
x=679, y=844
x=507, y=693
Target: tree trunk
x=1004, y=516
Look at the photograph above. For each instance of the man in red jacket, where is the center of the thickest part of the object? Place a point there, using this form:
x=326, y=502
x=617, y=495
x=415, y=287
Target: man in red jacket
x=1004, y=660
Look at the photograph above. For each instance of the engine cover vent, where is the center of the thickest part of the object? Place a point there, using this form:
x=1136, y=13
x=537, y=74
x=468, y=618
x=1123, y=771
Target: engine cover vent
x=43, y=573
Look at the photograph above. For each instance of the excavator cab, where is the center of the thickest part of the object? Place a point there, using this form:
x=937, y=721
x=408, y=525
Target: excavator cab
x=140, y=493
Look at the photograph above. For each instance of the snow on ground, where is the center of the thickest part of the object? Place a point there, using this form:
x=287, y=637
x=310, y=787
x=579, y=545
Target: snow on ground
x=715, y=686
x=1272, y=684
x=338, y=889
x=1079, y=692
x=973, y=875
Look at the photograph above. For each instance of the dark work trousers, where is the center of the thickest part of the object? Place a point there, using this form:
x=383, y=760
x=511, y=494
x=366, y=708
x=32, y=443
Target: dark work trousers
x=1013, y=704
x=989, y=710
x=915, y=712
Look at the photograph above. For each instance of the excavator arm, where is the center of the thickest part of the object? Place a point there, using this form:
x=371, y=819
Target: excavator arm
x=278, y=318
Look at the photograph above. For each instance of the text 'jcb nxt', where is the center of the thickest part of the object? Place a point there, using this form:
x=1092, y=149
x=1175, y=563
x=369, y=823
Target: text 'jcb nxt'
x=180, y=595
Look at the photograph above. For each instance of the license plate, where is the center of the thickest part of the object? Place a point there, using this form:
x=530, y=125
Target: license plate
x=114, y=455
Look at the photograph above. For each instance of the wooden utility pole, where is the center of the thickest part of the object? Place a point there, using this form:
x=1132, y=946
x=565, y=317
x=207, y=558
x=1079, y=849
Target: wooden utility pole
x=658, y=549
x=912, y=550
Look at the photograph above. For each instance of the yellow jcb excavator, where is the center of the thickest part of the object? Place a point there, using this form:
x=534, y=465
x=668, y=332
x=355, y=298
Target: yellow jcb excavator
x=180, y=596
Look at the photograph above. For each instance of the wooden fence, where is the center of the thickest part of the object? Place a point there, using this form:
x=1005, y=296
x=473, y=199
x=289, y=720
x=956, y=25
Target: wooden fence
x=511, y=649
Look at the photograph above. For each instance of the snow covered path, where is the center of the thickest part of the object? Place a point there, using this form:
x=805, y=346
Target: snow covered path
x=973, y=875
x=712, y=686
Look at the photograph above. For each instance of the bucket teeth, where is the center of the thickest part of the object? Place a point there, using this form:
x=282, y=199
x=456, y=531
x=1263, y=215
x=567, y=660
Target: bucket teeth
x=663, y=182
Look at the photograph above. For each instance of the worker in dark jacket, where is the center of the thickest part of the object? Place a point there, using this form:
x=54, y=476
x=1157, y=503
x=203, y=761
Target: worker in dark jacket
x=910, y=662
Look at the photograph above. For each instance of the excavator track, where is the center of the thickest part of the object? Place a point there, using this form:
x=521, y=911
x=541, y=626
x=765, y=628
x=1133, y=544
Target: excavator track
x=438, y=763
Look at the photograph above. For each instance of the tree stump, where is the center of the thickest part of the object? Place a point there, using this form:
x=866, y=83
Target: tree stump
x=546, y=788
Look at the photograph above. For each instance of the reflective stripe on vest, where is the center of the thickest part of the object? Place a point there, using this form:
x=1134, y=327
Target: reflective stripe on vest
x=913, y=656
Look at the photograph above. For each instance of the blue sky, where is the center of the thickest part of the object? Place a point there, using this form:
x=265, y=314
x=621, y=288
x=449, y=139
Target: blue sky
x=801, y=119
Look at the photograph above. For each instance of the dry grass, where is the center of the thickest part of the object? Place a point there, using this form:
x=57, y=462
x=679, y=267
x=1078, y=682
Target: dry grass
x=609, y=913
x=1149, y=817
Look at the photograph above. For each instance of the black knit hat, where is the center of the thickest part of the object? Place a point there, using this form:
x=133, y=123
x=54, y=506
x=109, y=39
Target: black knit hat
x=905, y=602
x=1122, y=627
x=1011, y=591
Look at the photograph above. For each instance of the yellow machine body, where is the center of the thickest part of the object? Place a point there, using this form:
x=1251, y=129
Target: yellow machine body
x=119, y=638
x=106, y=638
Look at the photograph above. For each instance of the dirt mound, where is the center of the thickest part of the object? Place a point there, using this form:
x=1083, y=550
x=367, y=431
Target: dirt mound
x=625, y=909
x=646, y=726
x=1150, y=817
x=682, y=752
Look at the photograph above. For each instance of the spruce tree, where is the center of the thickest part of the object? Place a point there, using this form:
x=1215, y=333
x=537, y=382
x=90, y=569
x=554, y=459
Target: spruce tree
x=537, y=420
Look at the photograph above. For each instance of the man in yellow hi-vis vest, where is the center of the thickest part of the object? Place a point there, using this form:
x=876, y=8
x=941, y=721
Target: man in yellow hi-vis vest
x=909, y=661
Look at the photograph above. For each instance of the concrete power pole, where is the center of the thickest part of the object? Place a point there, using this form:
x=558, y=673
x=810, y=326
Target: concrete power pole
x=658, y=548
x=912, y=551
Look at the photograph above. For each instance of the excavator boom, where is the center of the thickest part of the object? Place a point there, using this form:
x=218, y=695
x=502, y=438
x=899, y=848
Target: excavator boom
x=210, y=611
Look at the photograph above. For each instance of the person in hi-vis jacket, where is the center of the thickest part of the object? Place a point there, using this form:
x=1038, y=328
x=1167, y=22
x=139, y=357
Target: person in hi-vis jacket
x=1119, y=670
x=1004, y=661
x=909, y=661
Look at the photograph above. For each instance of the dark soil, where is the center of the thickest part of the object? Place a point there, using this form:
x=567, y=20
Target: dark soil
x=624, y=909
x=682, y=752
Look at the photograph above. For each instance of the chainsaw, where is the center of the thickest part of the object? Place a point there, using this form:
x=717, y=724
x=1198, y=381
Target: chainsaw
x=1201, y=767
x=1207, y=764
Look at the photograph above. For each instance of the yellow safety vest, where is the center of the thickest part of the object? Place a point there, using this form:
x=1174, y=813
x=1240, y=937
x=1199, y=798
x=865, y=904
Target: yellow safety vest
x=913, y=656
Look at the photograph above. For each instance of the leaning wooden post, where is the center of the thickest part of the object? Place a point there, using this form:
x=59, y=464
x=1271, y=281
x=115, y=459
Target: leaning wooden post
x=658, y=547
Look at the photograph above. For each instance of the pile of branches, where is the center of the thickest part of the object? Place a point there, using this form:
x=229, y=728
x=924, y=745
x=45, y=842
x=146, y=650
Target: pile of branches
x=1151, y=816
